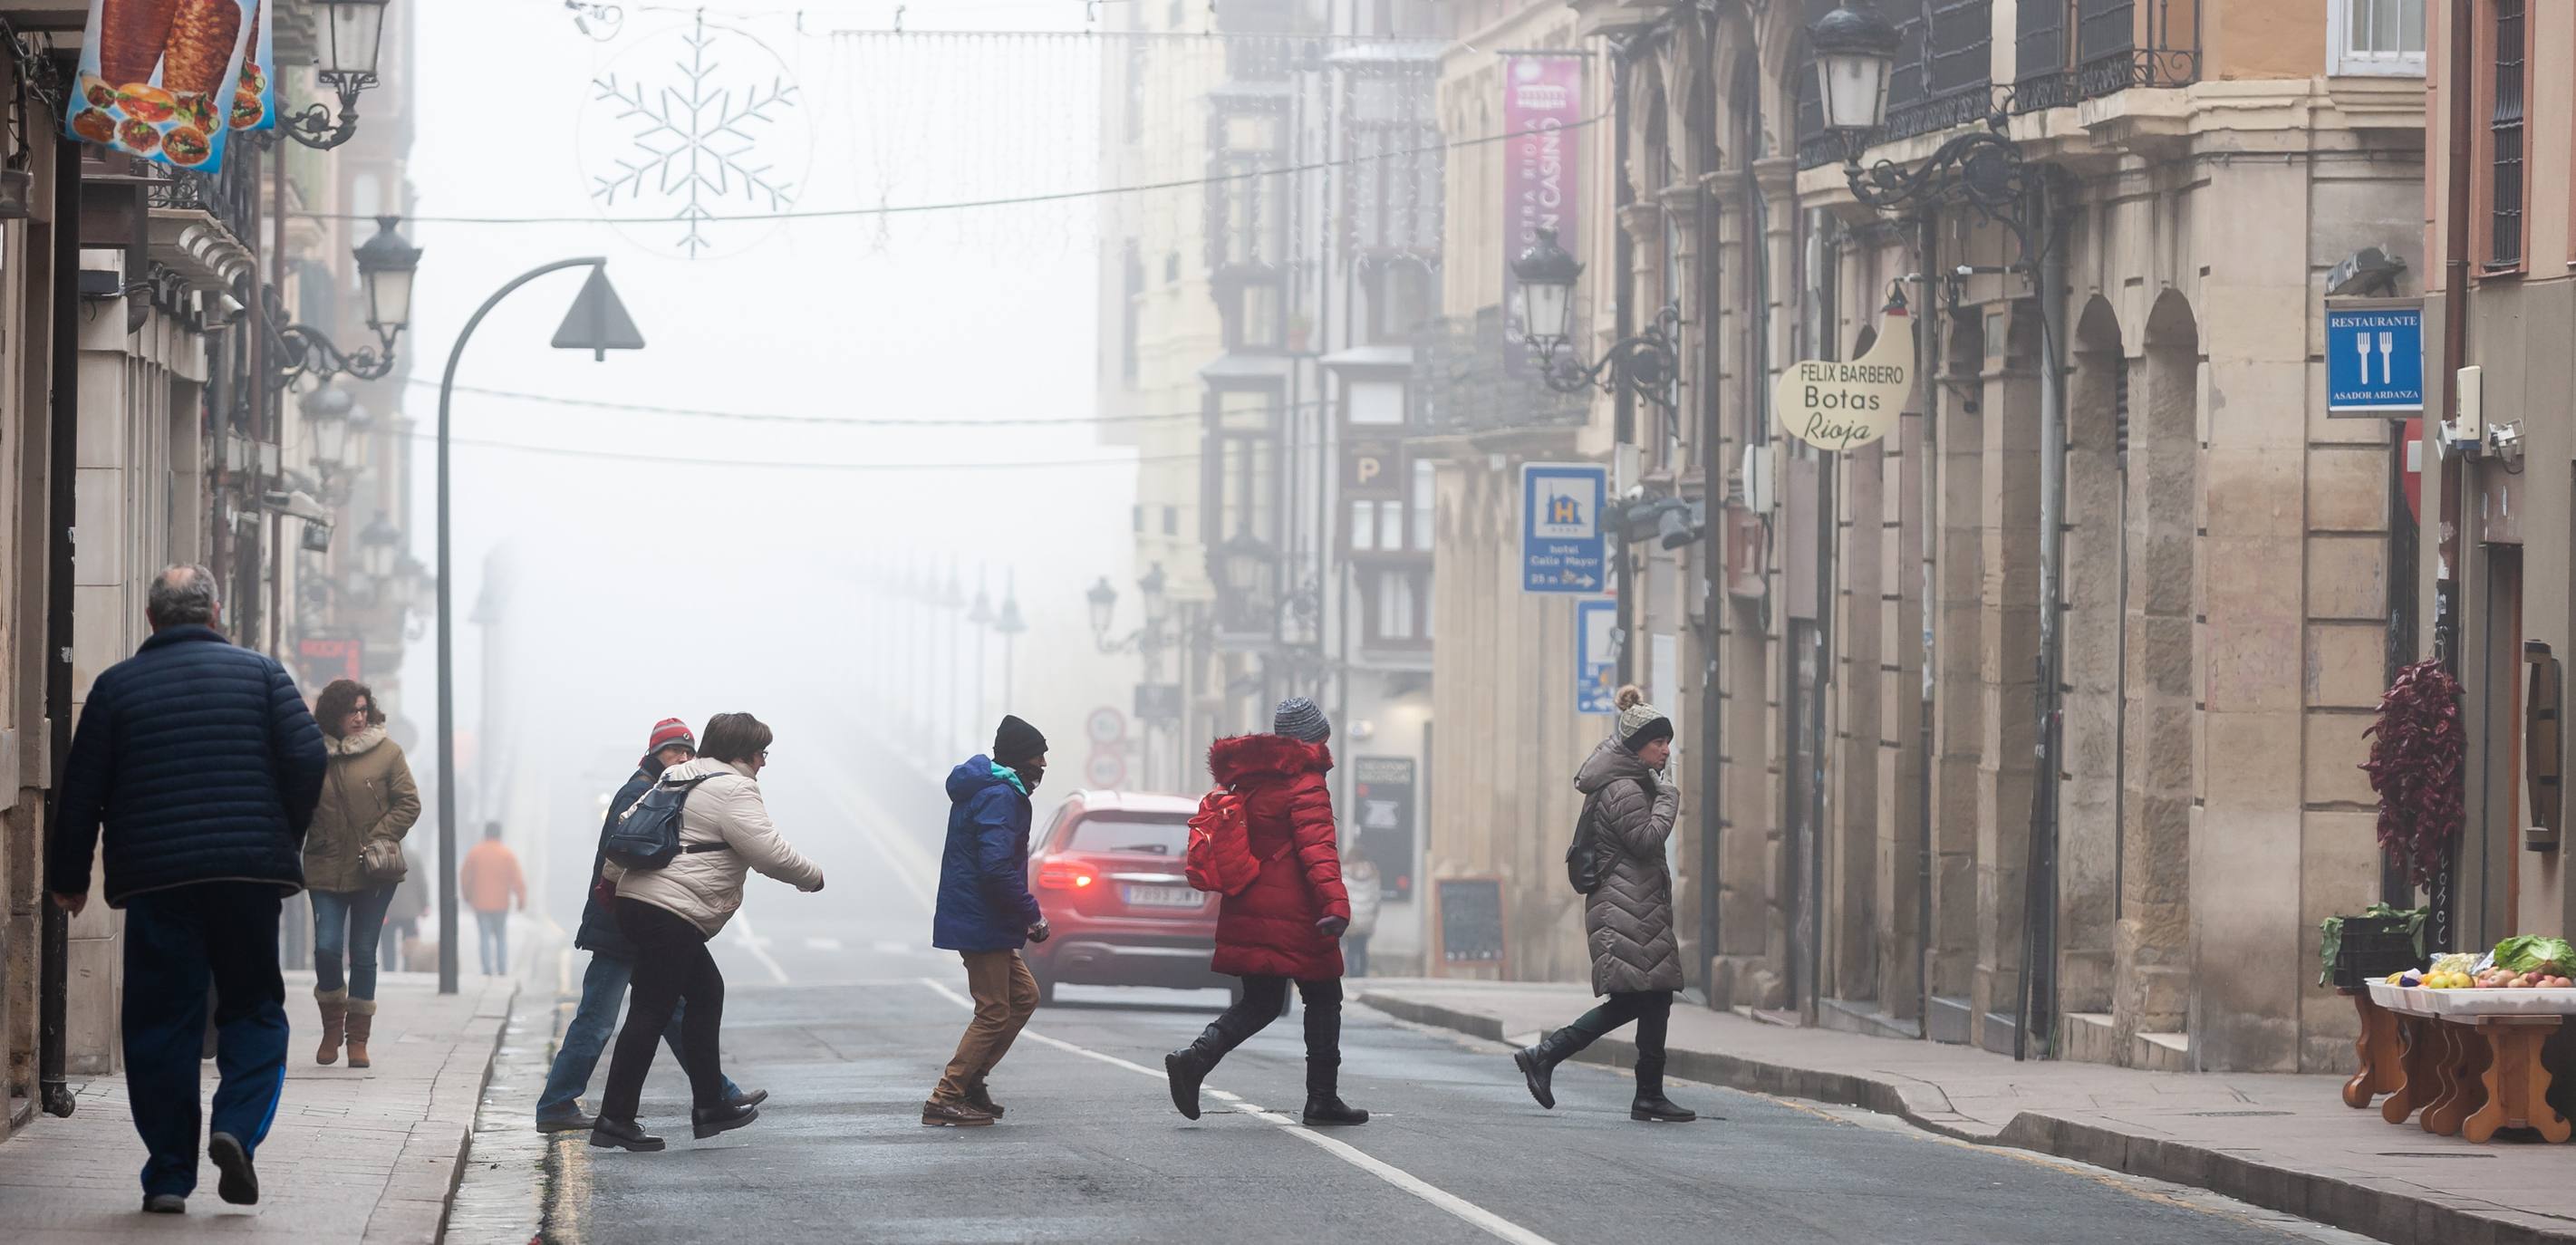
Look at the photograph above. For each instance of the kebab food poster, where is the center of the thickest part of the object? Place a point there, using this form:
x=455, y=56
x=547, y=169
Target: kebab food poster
x=161, y=78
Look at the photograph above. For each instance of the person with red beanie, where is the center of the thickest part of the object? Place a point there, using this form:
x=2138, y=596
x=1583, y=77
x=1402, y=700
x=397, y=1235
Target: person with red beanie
x=612, y=959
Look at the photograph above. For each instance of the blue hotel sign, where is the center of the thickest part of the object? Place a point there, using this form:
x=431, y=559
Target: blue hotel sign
x=1563, y=548
x=2375, y=358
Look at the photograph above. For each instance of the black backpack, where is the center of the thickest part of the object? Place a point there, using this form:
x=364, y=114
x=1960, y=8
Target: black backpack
x=1587, y=858
x=648, y=835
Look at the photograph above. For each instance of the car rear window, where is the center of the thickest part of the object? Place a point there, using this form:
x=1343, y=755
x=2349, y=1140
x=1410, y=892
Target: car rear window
x=1131, y=835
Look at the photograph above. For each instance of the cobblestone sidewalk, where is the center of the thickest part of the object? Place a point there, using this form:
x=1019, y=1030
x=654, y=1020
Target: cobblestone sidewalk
x=355, y=1156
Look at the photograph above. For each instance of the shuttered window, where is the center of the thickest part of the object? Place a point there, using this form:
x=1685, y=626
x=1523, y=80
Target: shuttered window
x=2505, y=137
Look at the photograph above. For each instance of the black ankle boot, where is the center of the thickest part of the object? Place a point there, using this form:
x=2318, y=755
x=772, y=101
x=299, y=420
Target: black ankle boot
x=705, y=1122
x=615, y=1134
x=1651, y=1105
x=1324, y=1103
x=1187, y=1067
x=1538, y=1064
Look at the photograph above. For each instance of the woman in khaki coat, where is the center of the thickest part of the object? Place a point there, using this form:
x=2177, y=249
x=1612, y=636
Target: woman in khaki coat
x=367, y=798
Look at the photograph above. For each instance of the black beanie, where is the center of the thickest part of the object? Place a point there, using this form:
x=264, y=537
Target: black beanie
x=1017, y=743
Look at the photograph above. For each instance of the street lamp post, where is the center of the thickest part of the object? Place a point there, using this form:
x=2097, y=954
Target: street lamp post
x=981, y=616
x=1010, y=624
x=597, y=323
x=353, y=35
x=1543, y=299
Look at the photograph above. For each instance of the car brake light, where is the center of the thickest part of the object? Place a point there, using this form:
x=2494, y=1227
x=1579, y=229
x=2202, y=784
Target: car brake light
x=1066, y=876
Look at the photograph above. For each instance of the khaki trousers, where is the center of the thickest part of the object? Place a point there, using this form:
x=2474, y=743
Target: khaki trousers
x=1005, y=996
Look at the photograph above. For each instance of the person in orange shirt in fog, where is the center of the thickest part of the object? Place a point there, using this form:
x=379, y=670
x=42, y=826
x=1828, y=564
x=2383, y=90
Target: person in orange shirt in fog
x=491, y=881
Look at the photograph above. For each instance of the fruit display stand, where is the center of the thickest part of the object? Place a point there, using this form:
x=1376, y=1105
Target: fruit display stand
x=2472, y=1059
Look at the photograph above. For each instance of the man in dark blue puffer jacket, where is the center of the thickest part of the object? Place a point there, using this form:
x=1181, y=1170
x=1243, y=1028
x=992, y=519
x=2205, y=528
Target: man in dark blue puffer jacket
x=204, y=766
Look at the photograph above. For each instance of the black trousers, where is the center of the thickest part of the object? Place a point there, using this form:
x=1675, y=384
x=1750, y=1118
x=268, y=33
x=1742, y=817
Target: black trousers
x=1263, y=999
x=1651, y=1009
x=671, y=963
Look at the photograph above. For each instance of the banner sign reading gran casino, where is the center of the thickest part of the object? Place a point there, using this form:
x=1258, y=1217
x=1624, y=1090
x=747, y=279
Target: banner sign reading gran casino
x=167, y=80
x=1542, y=159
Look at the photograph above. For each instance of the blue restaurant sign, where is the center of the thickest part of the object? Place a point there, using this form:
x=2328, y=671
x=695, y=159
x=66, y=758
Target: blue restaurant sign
x=2375, y=358
x=1562, y=546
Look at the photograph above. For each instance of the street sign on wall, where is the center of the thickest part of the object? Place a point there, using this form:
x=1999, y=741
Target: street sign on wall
x=1563, y=548
x=2375, y=357
x=322, y=660
x=1105, y=725
x=1837, y=406
x=1596, y=656
x=1106, y=770
x=1158, y=702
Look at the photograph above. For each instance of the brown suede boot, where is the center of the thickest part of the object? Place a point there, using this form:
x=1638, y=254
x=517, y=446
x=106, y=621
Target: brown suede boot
x=335, y=1011
x=362, y=1021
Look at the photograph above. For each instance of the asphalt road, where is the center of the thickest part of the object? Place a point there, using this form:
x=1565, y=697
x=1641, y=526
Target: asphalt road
x=838, y=1008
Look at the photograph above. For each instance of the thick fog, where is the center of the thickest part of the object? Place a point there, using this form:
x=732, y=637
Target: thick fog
x=631, y=574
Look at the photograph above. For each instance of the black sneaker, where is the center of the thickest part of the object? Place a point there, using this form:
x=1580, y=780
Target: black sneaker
x=240, y=1184
x=611, y=1134
x=705, y=1122
x=164, y=1204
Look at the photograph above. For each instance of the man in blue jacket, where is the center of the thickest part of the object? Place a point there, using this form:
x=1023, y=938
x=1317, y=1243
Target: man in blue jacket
x=986, y=914
x=204, y=766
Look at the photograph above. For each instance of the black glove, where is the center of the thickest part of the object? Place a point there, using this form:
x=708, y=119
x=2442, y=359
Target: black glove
x=1334, y=926
x=1039, y=932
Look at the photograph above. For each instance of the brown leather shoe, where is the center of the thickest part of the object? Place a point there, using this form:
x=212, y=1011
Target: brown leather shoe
x=335, y=1013
x=937, y=1114
x=981, y=1099
x=361, y=1025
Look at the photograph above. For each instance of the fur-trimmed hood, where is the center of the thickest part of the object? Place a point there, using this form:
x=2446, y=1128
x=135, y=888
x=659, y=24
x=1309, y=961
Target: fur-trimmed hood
x=359, y=744
x=1236, y=758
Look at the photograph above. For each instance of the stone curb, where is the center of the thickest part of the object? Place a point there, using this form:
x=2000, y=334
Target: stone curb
x=416, y=1201
x=2391, y=1216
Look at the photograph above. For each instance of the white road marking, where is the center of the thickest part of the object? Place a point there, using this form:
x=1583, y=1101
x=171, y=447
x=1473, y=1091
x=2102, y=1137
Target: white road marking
x=757, y=946
x=1484, y=1220
x=822, y=944
x=893, y=946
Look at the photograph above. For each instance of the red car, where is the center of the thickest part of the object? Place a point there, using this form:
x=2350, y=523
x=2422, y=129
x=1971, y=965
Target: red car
x=1107, y=871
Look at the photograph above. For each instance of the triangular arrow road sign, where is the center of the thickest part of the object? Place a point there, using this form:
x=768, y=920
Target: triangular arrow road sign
x=598, y=322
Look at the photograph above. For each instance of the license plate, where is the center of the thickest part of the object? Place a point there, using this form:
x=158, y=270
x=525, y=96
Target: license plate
x=1161, y=897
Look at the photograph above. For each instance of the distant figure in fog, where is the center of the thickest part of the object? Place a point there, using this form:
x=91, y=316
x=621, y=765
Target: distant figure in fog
x=612, y=957
x=491, y=882
x=353, y=861
x=204, y=766
x=1287, y=924
x=1628, y=812
x=669, y=914
x=1359, y=877
x=986, y=914
x=402, y=916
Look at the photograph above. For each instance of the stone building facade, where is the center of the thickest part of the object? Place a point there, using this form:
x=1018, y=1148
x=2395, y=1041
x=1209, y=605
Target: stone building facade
x=1859, y=694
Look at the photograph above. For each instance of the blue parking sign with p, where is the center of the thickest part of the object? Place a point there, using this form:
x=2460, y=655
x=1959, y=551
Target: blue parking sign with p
x=2375, y=360
x=1563, y=548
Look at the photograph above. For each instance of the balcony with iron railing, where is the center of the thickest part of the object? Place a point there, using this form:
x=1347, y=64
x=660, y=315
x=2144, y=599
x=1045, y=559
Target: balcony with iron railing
x=1462, y=382
x=2066, y=51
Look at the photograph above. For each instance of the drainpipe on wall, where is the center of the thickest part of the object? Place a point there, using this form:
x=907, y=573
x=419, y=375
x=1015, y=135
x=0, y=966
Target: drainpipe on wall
x=1928, y=475
x=2039, y=909
x=2462, y=137
x=62, y=474
x=1712, y=718
x=1623, y=404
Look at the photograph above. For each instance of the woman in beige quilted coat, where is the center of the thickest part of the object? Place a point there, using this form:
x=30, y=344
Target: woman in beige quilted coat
x=1628, y=916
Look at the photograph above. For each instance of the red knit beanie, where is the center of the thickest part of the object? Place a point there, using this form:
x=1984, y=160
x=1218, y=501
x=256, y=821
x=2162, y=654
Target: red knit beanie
x=671, y=731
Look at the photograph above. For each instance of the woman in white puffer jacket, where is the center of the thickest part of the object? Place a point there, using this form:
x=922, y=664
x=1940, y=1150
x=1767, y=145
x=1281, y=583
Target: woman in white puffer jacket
x=669, y=914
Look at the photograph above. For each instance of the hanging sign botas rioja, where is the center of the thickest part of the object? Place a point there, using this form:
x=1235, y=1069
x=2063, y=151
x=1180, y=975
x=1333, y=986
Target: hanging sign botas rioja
x=1837, y=406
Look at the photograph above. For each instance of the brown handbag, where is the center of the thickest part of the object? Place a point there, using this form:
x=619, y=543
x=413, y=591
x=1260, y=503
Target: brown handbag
x=382, y=861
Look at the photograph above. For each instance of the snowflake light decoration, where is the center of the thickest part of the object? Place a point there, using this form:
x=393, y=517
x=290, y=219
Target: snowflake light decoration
x=697, y=135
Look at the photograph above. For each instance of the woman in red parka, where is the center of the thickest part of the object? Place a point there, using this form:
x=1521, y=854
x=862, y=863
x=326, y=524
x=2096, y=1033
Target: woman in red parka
x=1288, y=924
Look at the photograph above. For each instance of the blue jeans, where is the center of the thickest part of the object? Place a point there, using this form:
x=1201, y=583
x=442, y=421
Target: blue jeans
x=603, y=992
x=495, y=942
x=348, y=923
x=177, y=941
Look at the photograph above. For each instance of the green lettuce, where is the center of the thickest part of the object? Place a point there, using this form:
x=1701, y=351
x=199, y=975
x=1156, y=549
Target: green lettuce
x=2525, y=952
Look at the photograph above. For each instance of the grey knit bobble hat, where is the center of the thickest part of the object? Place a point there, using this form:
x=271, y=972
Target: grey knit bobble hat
x=1298, y=718
x=1640, y=723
